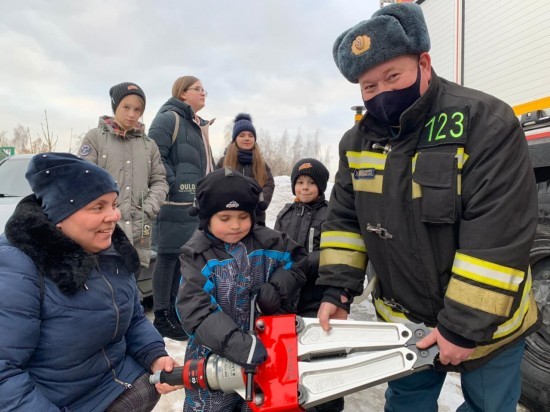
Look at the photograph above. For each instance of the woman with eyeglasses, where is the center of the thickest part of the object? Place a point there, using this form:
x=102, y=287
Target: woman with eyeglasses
x=182, y=138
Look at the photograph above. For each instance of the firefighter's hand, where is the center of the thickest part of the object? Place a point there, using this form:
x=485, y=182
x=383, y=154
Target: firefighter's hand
x=329, y=311
x=165, y=363
x=448, y=352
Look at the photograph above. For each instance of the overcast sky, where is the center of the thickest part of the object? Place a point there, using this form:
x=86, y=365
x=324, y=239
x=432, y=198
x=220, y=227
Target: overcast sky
x=271, y=58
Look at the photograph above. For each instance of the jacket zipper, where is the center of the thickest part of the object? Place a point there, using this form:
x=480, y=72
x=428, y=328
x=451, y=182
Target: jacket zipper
x=125, y=384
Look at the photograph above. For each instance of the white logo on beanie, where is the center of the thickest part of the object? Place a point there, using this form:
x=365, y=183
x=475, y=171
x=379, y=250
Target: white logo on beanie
x=232, y=205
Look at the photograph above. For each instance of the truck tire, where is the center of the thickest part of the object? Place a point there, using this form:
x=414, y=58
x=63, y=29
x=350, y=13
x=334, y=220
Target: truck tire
x=535, y=374
x=535, y=367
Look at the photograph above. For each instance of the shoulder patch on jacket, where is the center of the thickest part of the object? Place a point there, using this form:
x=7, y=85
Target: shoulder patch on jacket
x=85, y=150
x=449, y=126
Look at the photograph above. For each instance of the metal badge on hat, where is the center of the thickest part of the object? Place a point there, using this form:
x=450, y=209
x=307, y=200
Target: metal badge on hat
x=360, y=45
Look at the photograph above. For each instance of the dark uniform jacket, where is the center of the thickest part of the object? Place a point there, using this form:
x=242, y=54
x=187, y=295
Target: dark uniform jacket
x=185, y=162
x=302, y=223
x=267, y=189
x=446, y=213
x=73, y=331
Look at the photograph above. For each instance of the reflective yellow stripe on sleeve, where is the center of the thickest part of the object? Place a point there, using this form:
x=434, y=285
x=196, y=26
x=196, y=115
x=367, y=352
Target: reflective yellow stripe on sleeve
x=487, y=273
x=479, y=298
x=342, y=240
x=343, y=257
x=516, y=320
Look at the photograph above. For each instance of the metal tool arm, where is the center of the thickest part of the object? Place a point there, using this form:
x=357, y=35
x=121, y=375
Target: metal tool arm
x=307, y=366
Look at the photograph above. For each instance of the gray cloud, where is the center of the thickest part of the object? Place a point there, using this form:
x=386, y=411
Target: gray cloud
x=270, y=58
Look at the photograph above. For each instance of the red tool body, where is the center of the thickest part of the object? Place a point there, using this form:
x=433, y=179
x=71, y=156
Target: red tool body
x=307, y=366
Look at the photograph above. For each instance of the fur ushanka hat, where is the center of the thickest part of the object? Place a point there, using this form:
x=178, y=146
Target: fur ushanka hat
x=392, y=31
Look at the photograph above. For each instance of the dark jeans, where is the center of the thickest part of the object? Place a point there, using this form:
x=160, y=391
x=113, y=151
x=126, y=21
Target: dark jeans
x=166, y=280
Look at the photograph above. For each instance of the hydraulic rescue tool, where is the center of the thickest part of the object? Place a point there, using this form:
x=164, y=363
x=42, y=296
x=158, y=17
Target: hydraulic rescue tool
x=307, y=366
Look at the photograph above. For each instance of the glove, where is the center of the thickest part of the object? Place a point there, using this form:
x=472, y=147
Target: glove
x=245, y=350
x=268, y=301
x=334, y=295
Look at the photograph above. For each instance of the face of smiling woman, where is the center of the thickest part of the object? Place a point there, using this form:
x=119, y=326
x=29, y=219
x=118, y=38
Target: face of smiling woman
x=93, y=225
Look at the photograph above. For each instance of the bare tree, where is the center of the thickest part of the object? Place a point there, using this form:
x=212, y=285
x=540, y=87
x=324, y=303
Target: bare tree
x=76, y=142
x=22, y=139
x=49, y=142
x=4, y=141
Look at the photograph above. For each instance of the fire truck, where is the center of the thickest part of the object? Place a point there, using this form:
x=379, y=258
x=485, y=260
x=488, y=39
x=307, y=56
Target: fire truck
x=503, y=48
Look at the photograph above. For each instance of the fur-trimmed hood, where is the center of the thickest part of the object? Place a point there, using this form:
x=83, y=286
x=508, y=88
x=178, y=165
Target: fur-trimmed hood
x=56, y=256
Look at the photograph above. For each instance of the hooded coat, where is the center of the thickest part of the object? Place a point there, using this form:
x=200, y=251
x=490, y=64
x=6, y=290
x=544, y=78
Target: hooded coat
x=134, y=161
x=74, y=333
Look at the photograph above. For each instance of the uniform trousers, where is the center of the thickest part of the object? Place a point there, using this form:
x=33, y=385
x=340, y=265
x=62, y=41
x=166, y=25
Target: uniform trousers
x=494, y=387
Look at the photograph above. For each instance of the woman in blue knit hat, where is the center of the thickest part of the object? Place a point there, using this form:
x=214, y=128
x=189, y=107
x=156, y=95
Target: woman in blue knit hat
x=74, y=336
x=243, y=154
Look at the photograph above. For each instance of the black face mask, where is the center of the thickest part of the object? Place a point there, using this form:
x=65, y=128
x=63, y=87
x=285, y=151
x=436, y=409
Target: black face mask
x=387, y=107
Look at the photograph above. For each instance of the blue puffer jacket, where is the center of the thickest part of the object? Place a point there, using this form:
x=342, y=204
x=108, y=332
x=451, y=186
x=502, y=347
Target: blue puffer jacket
x=76, y=339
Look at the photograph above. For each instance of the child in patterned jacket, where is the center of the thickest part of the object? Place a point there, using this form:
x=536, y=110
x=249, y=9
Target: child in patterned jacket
x=227, y=260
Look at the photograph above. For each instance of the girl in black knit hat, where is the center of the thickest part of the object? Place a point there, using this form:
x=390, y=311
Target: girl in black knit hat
x=243, y=154
x=302, y=220
x=223, y=263
x=120, y=145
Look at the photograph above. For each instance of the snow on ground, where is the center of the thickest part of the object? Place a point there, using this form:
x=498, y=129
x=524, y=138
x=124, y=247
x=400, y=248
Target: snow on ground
x=368, y=400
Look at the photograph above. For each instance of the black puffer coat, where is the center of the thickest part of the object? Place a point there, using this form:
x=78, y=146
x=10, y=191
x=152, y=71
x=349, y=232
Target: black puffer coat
x=185, y=161
x=302, y=223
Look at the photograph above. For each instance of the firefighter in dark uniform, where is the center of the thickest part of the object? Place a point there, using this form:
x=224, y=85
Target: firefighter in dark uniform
x=435, y=189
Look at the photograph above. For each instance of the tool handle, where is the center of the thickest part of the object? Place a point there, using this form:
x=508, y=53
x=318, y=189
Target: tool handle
x=171, y=378
x=249, y=390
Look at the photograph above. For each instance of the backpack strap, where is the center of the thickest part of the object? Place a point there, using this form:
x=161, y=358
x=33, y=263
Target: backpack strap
x=176, y=127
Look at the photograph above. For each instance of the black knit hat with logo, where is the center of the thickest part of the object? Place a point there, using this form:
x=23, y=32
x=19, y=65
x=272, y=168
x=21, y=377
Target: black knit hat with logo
x=313, y=168
x=121, y=90
x=226, y=189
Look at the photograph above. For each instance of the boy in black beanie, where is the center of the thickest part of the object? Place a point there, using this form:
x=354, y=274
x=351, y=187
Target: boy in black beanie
x=226, y=260
x=302, y=220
